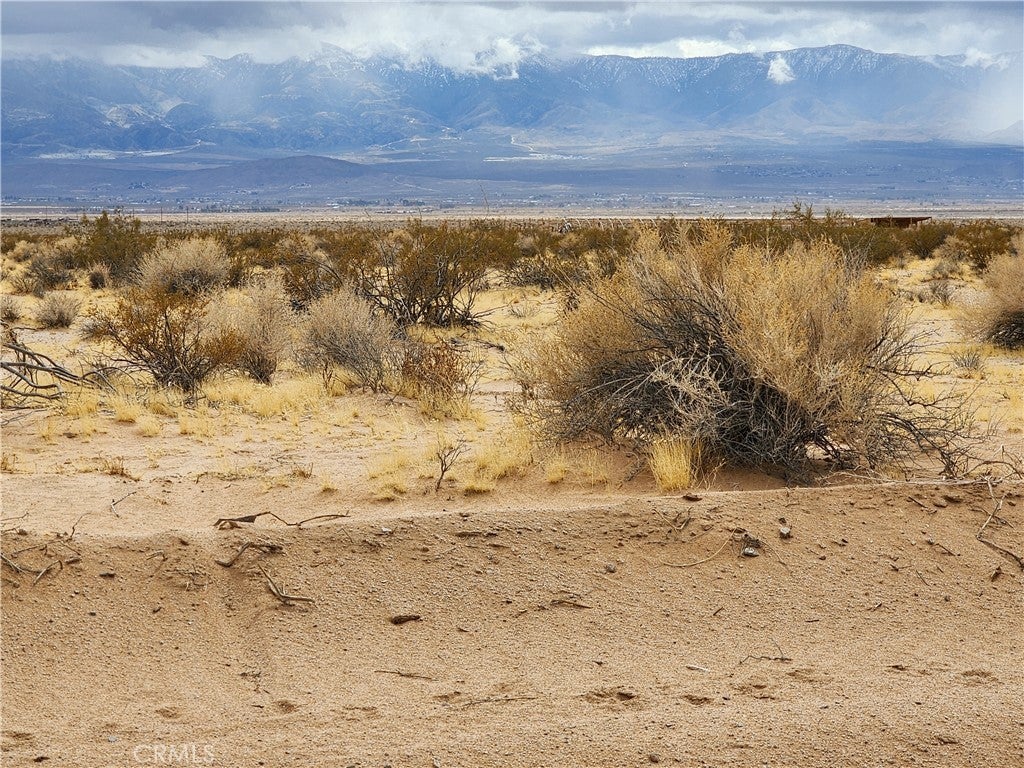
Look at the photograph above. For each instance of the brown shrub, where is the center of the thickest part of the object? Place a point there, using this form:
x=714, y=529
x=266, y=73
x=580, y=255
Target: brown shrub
x=999, y=318
x=343, y=330
x=58, y=310
x=189, y=266
x=262, y=324
x=773, y=361
x=167, y=335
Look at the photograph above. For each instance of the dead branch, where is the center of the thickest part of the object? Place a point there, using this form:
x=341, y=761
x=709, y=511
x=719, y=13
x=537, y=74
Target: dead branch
x=267, y=548
x=225, y=523
x=993, y=515
x=698, y=562
x=400, y=673
x=780, y=657
x=115, y=502
x=280, y=594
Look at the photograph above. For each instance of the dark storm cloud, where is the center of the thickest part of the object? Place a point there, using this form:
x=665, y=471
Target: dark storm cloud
x=481, y=36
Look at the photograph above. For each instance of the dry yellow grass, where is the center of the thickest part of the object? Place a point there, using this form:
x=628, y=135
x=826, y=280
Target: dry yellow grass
x=148, y=425
x=675, y=463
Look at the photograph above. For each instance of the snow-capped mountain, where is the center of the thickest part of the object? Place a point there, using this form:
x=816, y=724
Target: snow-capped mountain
x=334, y=102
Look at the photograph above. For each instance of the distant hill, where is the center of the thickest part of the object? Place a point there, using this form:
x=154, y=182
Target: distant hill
x=239, y=128
x=334, y=101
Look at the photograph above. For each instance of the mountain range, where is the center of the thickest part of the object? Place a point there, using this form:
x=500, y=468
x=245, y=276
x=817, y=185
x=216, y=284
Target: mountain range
x=547, y=126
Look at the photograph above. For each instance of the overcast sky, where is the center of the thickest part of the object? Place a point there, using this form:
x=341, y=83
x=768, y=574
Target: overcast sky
x=484, y=36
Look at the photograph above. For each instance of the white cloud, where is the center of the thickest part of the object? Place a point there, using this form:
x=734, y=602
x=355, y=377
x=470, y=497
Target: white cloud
x=779, y=72
x=495, y=36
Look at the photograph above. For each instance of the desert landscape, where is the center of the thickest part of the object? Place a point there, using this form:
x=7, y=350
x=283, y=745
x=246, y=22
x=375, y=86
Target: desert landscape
x=415, y=543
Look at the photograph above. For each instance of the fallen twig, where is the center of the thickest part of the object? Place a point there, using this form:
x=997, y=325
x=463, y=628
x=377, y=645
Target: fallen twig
x=280, y=594
x=232, y=522
x=268, y=548
x=400, y=673
x=996, y=509
x=698, y=562
x=115, y=502
x=781, y=656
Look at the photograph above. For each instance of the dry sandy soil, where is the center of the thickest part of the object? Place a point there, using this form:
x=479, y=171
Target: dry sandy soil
x=540, y=609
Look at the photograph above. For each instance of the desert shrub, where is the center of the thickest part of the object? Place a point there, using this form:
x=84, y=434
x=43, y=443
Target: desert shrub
x=10, y=309
x=859, y=239
x=58, y=310
x=424, y=273
x=440, y=376
x=99, y=276
x=48, y=266
x=982, y=240
x=261, y=323
x=776, y=361
x=922, y=240
x=999, y=317
x=115, y=240
x=167, y=335
x=343, y=330
x=189, y=266
x=948, y=266
x=308, y=271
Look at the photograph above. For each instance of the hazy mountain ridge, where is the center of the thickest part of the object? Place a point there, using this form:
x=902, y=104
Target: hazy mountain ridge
x=335, y=102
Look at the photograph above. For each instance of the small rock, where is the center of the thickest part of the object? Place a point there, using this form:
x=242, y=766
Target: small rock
x=108, y=575
x=749, y=552
x=654, y=757
x=785, y=533
x=610, y=567
x=405, y=618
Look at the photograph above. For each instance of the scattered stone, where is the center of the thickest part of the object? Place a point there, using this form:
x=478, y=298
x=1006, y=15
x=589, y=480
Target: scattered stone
x=405, y=618
x=785, y=533
x=610, y=567
x=750, y=552
x=654, y=757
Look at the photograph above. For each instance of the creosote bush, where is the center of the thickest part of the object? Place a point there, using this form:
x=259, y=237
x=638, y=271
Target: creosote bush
x=167, y=335
x=783, y=361
x=343, y=330
x=115, y=240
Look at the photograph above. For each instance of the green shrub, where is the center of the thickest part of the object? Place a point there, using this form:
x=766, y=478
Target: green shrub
x=115, y=240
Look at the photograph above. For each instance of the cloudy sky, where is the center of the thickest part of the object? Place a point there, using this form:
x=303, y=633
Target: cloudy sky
x=480, y=36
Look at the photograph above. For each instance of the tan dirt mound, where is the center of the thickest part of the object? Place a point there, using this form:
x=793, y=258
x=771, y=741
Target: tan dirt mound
x=633, y=632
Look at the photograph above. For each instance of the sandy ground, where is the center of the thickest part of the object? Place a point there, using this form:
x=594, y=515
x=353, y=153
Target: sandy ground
x=535, y=608
x=626, y=632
